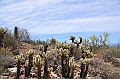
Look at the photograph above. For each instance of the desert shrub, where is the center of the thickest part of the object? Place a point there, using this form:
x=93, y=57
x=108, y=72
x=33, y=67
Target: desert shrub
x=1, y=64
x=104, y=70
x=7, y=61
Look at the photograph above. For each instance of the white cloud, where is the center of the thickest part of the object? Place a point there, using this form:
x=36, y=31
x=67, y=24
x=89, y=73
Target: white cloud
x=61, y=16
x=109, y=24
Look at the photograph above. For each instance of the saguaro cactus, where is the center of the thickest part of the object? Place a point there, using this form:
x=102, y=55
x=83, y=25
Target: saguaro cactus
x=19, y=58
x=38, y=63
x=30, y=56
x=16, y=33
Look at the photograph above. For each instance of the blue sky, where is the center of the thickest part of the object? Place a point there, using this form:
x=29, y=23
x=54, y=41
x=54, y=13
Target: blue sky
x=45, y=19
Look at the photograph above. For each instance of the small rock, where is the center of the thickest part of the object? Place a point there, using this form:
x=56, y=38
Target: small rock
x=5, y=74
x=13, y=71
x=53, y=74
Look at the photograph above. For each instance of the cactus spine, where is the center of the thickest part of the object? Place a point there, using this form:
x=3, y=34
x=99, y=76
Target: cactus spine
x=30, y=56
x=38, y=63
x=19, y=60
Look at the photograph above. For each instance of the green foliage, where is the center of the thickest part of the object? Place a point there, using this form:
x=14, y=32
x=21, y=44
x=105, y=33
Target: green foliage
x=2, y=33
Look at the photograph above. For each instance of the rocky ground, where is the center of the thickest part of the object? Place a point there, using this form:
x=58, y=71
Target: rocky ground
x=98, y=69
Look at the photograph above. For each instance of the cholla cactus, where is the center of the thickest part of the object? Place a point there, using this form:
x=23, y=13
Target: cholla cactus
x=58, y=45
x=84, y=67
x=53, y=42
x=30, y=56
x=41, y=47
x=89, y=54
x=72, y=38
x=84, y=61
x=64, y=62
x=50, y=70
x=46, y=57
x=26, y=68
x=64, y=45
x=72, y=67
x=78, y=43
x=71, y=48
x=19, y=58
x=105, y=38
x=38, y=63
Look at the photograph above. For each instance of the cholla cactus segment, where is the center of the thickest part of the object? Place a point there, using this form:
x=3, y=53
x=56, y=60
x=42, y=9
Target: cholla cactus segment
x=41, y=53
x=47, y=54
x=37, y=60
x=41, y=47
x=2, y=31
x=26, y=63
x=64, y=45
x=58, y=45
x=30, y=52
x=90, y=54
x=53, y=40
x=20, y=57
x=50, y=69
x=84, y=61
x=64, y=51
x=71, y=45
x=72, y=37
x=71, y=62
x=80, y=38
